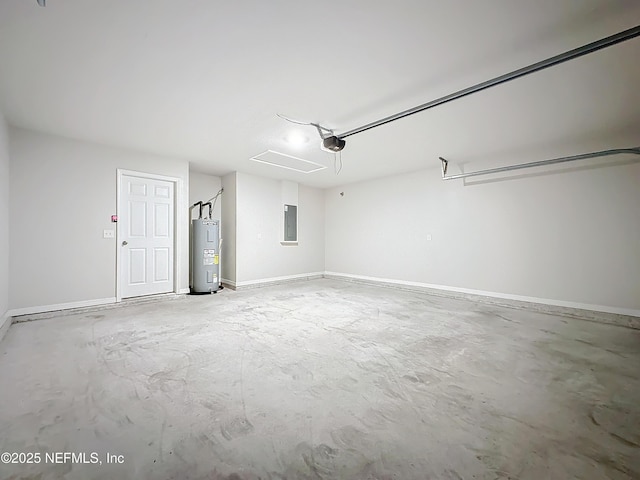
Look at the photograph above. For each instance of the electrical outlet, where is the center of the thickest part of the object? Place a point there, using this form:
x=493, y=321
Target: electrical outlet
x=428, y=237
x=108, y=234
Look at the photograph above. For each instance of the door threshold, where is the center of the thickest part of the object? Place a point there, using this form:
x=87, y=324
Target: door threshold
x=149, y=298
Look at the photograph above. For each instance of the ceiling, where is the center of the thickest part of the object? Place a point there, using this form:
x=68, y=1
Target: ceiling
x=203, y=80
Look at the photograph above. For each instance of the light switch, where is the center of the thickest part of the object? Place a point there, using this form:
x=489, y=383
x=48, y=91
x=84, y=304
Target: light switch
x=428, y=237
x=108, y=234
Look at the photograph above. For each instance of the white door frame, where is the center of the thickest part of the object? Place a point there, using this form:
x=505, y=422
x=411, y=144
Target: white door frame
x=177, y=220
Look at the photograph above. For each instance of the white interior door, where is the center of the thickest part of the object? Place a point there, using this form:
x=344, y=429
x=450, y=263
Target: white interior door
x=146, y=236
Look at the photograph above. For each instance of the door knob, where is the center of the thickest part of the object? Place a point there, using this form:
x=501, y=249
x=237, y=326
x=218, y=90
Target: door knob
x=124, y=242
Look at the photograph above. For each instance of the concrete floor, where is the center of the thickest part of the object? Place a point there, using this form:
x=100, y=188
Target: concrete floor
x=321, y=380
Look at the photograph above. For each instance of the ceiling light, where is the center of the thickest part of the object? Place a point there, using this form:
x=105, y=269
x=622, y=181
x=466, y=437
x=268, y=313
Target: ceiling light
x=296, y=139
x=330, y=142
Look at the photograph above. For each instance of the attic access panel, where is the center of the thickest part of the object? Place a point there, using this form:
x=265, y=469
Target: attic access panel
x=282, y=160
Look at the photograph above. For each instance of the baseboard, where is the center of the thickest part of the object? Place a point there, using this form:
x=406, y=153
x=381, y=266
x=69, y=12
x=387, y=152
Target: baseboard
x=612, y=315
x=265, y=282
x=5, y=323
x=230, y=284
x=61, y=306
x=183, y=291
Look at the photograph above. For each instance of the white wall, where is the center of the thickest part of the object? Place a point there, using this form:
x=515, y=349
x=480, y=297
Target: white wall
x=228, y=224
x=4, y=221
x=568, y=237
x=259, y=253
x=63, y=193
x=202, y=187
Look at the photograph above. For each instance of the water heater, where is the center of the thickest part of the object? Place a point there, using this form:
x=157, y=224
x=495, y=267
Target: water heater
x=205, y=259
